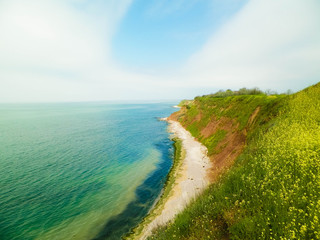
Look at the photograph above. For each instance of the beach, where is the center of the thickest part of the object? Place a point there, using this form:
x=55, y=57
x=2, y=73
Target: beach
x=191, y=178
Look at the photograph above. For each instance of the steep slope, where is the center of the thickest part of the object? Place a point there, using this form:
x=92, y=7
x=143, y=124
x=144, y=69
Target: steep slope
x=273, y=188
x=223, y=124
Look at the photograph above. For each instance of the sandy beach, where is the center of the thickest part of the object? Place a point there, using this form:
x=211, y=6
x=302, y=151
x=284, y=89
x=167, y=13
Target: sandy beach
x=192, y=178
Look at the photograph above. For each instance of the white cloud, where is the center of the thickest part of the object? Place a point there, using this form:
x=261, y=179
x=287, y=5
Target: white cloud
x=270, y=44
x=54, y=50
x=45, y=34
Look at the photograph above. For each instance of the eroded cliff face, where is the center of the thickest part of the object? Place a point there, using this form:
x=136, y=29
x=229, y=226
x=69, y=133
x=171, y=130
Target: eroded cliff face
x=224, y=134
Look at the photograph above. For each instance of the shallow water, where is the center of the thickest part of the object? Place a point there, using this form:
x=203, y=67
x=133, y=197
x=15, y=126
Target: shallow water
x=80, y=170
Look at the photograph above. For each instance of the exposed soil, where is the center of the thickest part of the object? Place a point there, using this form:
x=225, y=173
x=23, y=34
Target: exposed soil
x=222, y=124
x=230, y=147
x=175, y=116
x=228, y=150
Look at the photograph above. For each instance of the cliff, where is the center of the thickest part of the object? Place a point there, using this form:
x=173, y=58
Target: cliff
x=266, y=156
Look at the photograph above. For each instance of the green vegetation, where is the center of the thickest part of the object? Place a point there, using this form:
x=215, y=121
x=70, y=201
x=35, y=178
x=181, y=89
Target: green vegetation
x=245, y=91
x=184, y=102
x=234, y=109
x=212, y=141
x=273, y=189
x=179, y=153
x=241, y=91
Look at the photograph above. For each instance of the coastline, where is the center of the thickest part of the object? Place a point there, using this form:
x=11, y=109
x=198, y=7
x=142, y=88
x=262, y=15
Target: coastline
x=187, y=178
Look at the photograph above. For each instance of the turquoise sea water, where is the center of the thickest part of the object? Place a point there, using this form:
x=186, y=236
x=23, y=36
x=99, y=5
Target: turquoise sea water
x=80, y=170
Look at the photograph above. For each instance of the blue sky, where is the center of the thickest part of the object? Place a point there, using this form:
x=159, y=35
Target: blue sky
x=95, y=50
x=158, y=34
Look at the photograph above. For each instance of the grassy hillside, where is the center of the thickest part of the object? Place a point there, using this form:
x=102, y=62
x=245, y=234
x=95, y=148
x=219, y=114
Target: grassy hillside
x=271, y=148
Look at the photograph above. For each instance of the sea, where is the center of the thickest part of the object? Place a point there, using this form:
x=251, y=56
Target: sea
x=81, y=171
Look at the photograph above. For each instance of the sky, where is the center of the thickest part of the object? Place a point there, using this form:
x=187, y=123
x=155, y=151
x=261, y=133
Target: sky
x=95, y=50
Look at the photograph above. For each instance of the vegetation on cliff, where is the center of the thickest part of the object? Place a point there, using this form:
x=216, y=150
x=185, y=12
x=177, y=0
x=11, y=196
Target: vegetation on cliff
x=266, y=151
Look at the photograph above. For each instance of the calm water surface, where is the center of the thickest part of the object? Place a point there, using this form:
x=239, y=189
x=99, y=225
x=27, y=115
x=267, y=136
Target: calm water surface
x=80, y=170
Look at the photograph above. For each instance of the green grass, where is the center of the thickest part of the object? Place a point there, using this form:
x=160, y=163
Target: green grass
x=238, y=108
x=212, y=141
x=203, y=110
x=273, y=189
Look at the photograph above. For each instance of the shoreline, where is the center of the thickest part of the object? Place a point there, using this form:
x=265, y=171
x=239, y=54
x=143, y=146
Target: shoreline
x=187, y=179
